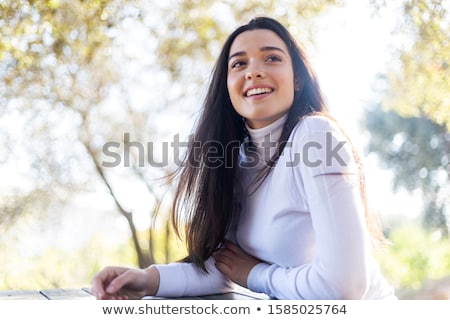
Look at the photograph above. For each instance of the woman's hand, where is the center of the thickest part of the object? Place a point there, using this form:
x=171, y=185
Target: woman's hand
x=119, y=283
x=235, y=263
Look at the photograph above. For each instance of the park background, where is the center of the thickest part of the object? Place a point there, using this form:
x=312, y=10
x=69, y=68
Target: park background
x=76, y=75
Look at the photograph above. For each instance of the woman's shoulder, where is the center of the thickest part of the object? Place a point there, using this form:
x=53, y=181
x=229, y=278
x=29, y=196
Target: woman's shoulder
x=324, y=146
x=317, y=123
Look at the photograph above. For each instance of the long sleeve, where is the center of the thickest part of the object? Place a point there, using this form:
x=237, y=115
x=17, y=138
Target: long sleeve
x=186, y=279
x=327, y=179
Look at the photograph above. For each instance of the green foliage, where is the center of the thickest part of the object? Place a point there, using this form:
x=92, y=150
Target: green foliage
x=35, y=31
x=409, y=146
x=418, y=151
x=414, y=256
x=418, y=83
x=194, y=30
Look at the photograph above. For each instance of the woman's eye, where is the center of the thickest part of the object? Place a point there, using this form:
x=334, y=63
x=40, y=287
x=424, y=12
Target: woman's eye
x=237, y=64
x=273, y=58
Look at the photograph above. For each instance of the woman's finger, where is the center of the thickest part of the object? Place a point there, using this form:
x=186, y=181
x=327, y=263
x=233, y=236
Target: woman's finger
x=118, y=283
x=224, y=257
x=100, y=281
x=232, y=247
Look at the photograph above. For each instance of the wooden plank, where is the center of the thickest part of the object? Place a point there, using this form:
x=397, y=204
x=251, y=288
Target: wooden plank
x=229, y=296
x=21, y=295
x=221, y=296
x=87, y=290
x=170, y=298
x=238, y=293
x=67, y=294
x=246, y=292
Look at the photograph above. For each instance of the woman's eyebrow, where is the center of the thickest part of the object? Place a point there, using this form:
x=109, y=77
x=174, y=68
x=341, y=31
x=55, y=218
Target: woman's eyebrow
x=236, y=54
x=266, y=48
x=269, y=48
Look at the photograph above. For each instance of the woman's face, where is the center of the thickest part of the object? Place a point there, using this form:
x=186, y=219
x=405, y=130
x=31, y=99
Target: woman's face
x=260, y=77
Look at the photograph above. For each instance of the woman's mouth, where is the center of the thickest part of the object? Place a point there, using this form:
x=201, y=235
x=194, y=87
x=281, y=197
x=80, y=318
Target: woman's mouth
x=258, y=91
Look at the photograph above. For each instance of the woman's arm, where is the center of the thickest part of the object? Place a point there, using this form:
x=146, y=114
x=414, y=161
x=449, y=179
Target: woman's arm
x=186, y=279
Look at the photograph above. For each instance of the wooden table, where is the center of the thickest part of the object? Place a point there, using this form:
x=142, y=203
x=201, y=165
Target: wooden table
x=85, y=294
x=50, y=294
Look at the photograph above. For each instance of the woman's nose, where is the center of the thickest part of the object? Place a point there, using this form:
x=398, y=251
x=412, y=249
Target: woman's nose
x=254, y=72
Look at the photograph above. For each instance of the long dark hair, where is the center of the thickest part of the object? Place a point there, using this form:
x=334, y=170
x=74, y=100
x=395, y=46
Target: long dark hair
x=204, y=201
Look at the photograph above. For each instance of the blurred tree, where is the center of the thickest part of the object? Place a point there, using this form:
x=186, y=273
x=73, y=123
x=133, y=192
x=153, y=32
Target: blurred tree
x=409, y=127
x=56, y=71
x=418, y=150
x=75, y=75
x=418, y=83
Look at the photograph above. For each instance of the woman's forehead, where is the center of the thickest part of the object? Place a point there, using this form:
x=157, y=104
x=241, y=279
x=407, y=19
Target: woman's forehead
x=256, y=40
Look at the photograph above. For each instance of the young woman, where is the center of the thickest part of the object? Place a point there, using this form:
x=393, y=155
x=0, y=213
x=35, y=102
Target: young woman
x=271, y=194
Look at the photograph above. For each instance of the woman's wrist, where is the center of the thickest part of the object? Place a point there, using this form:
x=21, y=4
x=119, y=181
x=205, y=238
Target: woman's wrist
x=152, y=280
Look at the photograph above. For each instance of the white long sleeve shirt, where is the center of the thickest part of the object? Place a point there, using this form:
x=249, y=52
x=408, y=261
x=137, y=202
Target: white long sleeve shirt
x=305, y=220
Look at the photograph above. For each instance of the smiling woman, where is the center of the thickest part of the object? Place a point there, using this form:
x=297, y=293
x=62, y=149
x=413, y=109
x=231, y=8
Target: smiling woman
x=286, y=228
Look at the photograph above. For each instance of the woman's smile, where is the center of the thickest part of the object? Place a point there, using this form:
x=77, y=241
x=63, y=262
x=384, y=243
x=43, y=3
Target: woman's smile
x=256, y=92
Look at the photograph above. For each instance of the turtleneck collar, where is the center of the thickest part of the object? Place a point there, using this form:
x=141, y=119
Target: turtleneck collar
x=274, y=130
x=266, y=138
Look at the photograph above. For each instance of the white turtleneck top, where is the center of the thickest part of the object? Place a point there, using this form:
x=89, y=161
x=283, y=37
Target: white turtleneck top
x=305, y=220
